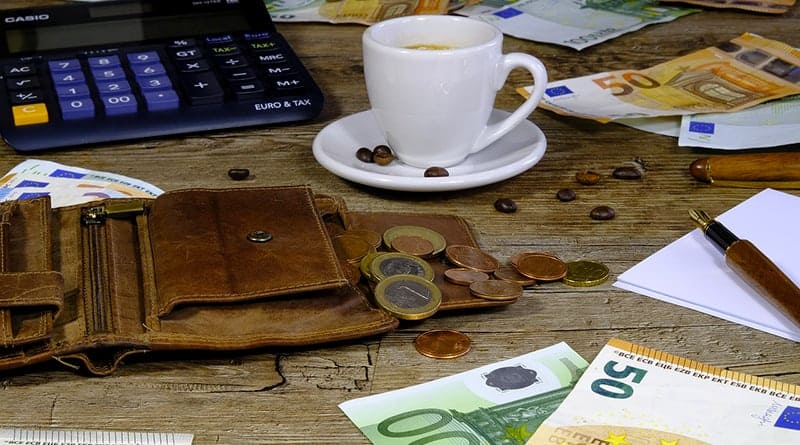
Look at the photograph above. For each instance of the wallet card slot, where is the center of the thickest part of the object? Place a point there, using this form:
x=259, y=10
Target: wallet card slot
x=31, y=294
x=112, y=294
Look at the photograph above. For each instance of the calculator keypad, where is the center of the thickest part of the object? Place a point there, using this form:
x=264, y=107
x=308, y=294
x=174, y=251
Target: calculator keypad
x=180, y=76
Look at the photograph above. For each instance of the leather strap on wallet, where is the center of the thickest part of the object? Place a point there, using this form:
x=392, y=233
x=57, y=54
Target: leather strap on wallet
x=194, y=269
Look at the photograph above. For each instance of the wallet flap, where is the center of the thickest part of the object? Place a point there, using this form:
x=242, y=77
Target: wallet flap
x=224, y=246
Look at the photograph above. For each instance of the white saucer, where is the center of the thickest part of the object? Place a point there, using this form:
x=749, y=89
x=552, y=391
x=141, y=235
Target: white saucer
x=335, y=148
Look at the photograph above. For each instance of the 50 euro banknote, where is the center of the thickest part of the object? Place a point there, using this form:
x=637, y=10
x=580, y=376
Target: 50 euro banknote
x=633, y=395
x=498, y=404
x=364, y=12
x=732, y=76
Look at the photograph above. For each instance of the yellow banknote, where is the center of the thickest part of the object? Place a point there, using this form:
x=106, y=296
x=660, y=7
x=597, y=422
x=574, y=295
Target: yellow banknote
x=634, y=395
x=732, y=76
x=766, y=6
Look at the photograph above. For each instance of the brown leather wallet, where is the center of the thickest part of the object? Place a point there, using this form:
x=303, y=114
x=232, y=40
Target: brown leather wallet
x=197, y=269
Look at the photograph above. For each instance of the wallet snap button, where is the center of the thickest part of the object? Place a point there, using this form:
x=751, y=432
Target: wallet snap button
x=259, y=236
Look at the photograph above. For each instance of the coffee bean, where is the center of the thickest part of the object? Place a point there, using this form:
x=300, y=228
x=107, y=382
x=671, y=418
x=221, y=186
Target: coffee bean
x=364, y=154
x=505, y=205
x=587, y=177
x=432, y=172
x=565, y=195
x=627, y=173
x=602, y=213
x=238, y=174
x=382, y=155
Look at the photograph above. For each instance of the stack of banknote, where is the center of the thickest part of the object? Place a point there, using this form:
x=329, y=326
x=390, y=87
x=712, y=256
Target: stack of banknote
x=736, y=95
x=628, y=395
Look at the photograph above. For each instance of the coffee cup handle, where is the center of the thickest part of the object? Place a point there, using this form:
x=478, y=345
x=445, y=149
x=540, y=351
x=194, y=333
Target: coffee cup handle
x=509, y=62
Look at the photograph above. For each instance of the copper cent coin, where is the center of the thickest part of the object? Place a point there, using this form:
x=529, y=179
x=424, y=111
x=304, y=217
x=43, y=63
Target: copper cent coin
x=541, y=266
x=372, y=237
x=508, y=273
x=471, y=258
x=443, y=344
x=463, y=276
x=412, y=245
x=351, y=248
x=496, y=290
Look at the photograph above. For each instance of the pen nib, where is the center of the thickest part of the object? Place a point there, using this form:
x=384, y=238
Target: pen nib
x=700, y=218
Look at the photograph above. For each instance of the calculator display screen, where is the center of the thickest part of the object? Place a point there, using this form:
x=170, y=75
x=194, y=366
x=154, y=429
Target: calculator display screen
x=42, y=38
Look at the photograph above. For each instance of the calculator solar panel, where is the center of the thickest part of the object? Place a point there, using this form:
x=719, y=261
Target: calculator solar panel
x=77, y=75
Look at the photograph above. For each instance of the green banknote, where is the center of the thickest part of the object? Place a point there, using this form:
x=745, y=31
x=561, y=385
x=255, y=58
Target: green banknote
x=633, y=395
x=501, y=404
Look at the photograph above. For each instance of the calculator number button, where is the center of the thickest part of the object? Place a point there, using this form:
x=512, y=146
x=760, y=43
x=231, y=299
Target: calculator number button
x=68, y=78
x=146, y=57
x=30, y=114
x=75, y=109
x=155, y=83
x=147, y=70
x=119, y=104
x=77, y=91
x=64, y=66
x=111, y=88
x=104, y=62
x=108, y=74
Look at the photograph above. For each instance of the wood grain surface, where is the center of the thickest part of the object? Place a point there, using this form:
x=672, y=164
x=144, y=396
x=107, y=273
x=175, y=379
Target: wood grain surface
x=291, y=396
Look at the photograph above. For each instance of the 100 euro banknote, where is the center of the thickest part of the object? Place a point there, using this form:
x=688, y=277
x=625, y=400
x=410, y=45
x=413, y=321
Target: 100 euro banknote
x=501, y=403
x=732, y=76
x=577, y=24
x=633, y=395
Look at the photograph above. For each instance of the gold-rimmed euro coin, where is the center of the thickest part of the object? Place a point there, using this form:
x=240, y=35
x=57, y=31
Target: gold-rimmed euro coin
x=364, y=265
x=585, y=273
x=408, y=297
x=395, y=263
x=435, y=238
x=442, y=344
x=372, y=237
x=499, y=290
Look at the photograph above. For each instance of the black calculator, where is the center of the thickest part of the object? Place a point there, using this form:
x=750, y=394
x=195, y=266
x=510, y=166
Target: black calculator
x=81, y=74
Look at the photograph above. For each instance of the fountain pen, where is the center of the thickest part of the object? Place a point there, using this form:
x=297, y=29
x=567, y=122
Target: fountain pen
x=752, y=265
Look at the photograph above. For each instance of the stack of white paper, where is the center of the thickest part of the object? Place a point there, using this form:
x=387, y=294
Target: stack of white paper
x=691, y=271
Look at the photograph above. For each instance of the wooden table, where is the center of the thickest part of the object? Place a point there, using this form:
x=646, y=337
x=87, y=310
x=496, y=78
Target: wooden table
x=291, y=396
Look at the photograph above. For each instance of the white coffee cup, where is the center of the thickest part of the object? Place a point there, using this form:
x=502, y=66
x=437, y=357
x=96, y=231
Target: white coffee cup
x=433, y=105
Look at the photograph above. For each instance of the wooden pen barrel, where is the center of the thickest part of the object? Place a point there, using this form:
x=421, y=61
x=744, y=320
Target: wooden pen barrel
x=775, y=167
x=765, y=277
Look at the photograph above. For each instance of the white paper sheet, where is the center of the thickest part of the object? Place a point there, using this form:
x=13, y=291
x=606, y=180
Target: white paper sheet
x=691, y=271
